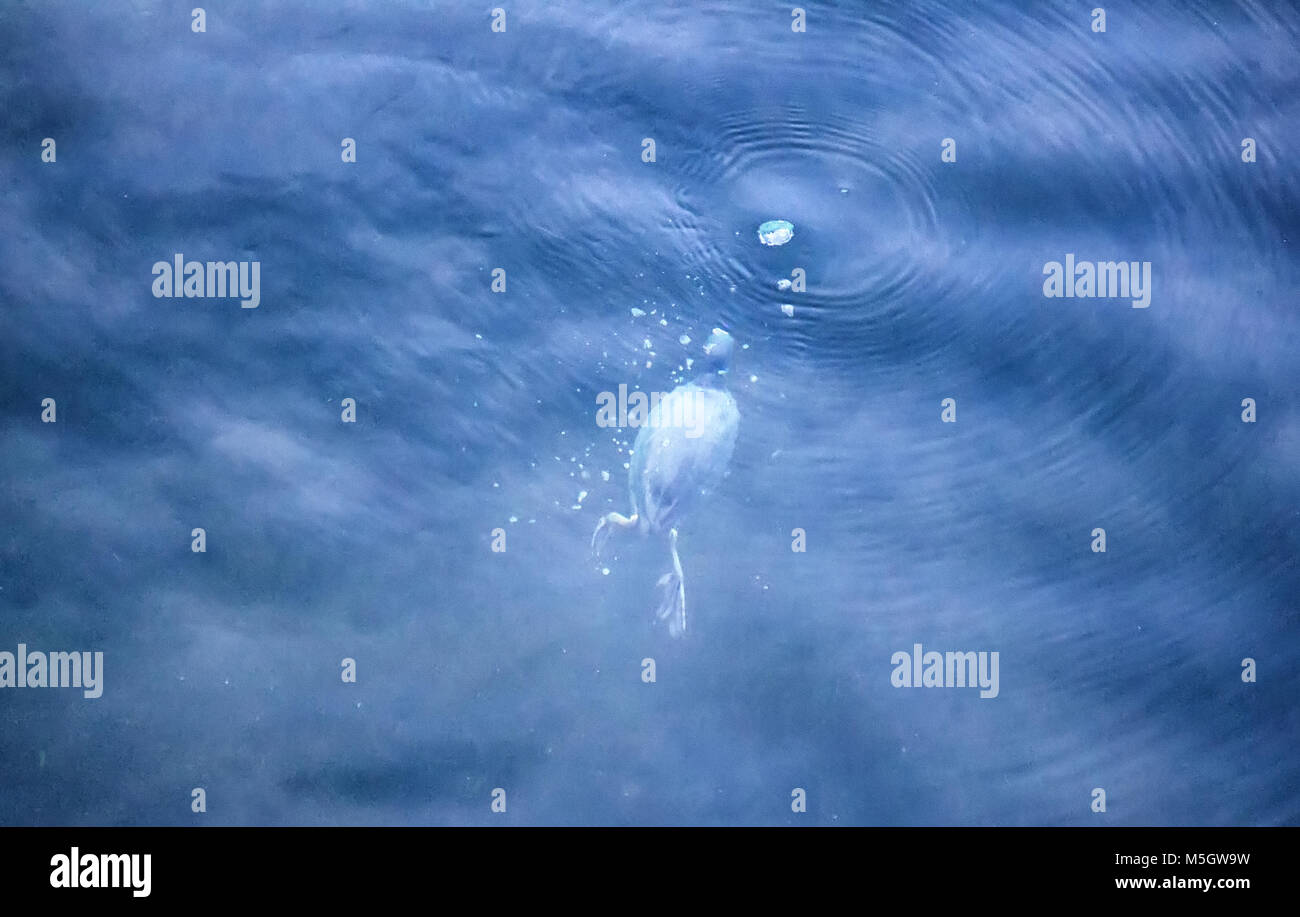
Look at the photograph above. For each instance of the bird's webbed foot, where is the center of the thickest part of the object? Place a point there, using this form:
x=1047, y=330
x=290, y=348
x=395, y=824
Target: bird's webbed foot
x=672, y=593
x=605, y=527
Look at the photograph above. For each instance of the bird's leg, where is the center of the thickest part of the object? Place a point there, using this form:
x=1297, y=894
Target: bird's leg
x=672, y=596
x=681, y=591
x=606, y=525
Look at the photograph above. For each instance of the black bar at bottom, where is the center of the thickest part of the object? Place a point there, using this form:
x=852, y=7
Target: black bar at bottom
x=335, y=866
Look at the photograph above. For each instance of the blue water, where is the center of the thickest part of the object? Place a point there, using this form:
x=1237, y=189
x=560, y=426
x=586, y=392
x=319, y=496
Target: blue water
x=476, y=410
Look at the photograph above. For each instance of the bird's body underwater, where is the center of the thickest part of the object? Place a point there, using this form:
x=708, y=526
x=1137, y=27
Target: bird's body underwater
x=680, y=454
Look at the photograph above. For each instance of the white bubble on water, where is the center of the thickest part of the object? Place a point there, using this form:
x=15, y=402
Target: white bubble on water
x=684, y=339
x=783, y=284
x=787, y=308
x=776, y=232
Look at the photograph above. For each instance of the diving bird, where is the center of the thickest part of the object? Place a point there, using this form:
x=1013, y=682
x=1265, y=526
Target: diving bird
x=680, y=454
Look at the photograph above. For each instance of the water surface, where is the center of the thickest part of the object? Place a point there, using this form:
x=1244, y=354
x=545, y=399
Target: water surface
x=523, y=150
